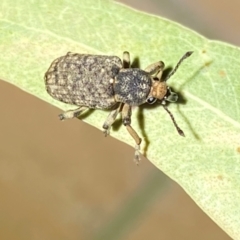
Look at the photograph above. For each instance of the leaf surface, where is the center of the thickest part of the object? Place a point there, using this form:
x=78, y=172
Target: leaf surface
x=206, y=163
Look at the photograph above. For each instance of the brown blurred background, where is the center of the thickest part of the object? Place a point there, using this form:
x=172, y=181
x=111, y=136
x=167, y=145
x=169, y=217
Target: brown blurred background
x=63, y=180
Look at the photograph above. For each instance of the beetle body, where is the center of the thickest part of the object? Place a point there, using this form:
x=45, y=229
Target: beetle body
x=97, y=82
x=105, y=82
x=83, y=80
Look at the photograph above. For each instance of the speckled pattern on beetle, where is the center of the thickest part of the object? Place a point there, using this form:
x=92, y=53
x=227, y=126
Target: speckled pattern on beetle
x=107, y=82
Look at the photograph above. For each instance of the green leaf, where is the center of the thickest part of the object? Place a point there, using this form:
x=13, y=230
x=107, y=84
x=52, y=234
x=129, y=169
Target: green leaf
x=206, y=163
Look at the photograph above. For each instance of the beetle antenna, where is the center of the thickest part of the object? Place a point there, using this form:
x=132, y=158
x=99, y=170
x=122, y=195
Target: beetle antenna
x=186, y=55
x=180, y=131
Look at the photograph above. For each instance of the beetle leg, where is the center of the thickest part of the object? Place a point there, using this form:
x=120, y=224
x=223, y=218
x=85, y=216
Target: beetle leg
x=126, y=118
x=72, y=113
x=155, y=69
x=111, y=119
x=113, y=114
x=126, y=59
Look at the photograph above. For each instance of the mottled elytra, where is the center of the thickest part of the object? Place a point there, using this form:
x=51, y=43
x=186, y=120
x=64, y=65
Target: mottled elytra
x=106, y=82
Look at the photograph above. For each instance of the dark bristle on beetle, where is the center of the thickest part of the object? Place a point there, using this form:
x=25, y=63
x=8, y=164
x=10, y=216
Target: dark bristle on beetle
x=107, y=82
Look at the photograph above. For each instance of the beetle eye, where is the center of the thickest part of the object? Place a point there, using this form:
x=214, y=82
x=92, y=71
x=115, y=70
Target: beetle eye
x=151, y=100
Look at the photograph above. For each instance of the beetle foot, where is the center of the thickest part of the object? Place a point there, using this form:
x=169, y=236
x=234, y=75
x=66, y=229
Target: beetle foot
x=137, y=154
x=68, y=114
x=106, y=132
x=61, y=116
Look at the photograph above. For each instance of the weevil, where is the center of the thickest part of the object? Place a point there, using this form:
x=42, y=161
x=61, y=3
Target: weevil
x=107, y=82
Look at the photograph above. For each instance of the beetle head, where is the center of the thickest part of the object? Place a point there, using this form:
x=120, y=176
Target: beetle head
x=160, y=91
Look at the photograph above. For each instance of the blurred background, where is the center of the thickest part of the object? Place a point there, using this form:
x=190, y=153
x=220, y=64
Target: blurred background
x=63, y=180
